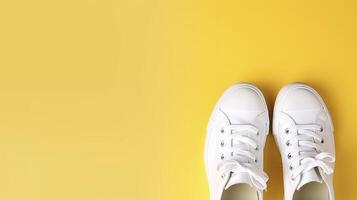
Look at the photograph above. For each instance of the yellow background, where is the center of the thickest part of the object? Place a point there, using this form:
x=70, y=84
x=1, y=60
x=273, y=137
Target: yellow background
x=109, y=100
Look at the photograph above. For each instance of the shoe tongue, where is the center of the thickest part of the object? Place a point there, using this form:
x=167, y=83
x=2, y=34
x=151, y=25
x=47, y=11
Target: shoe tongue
x=309, y=176
x=237, y=178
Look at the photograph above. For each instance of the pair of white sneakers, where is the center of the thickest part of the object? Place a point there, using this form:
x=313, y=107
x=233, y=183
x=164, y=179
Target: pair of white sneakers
x=236, y=136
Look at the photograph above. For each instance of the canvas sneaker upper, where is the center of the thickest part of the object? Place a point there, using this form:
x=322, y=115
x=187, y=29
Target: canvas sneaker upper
x=235, y=141
x=303, y=131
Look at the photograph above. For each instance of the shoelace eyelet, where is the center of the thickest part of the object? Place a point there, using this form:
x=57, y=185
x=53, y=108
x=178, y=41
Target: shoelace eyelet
x=287, y=130
x=222, y=143
x=222, y=130
x=222, y=156
x=289, y=156
x=288, y=143
x=321, y=129
x=322, y=141
x=291, y=167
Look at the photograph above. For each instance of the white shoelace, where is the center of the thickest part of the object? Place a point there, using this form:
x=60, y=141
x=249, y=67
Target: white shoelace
x=243, y=161
x=308, y=153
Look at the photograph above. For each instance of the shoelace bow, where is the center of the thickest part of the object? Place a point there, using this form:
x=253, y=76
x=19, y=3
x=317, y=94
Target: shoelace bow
x=309, y=154
x=235, y=165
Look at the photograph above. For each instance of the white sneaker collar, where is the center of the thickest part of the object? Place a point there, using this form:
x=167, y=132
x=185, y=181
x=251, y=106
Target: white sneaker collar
x=312, y=175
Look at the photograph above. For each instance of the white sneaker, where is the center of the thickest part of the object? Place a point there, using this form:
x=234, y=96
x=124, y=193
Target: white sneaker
x=235, y=141
x=303, y=131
